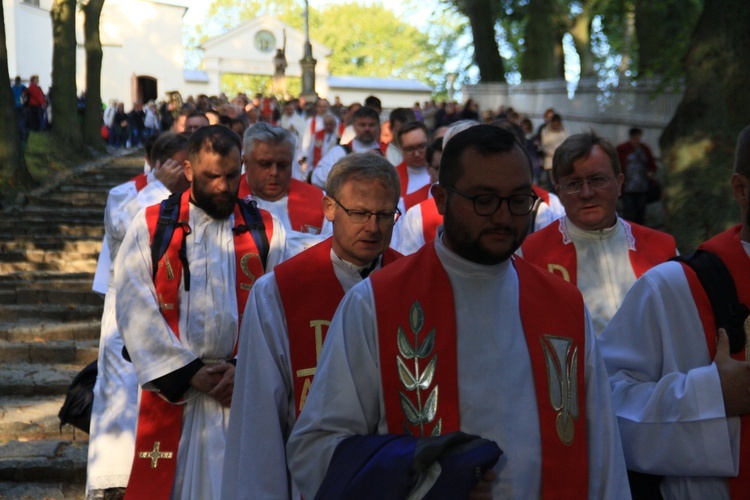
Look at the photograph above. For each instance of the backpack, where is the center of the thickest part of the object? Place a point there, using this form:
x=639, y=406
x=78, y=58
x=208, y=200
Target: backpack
x=76, y=410
x=169, y=213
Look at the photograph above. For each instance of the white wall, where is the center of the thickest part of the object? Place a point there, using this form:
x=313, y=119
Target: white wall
x=390, y=99
x=610, y=115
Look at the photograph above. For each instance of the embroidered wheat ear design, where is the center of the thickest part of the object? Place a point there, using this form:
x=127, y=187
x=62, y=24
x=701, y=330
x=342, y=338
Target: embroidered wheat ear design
x=418, y=380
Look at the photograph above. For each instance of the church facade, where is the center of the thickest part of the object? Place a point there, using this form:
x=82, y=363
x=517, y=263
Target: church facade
x=144, y=59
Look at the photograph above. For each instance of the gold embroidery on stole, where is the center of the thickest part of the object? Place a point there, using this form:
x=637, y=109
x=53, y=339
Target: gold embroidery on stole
x=562, y=367
x=317, y=326
x=246, y=270
x=155, y=454
x=560, y=269
x=418, y=380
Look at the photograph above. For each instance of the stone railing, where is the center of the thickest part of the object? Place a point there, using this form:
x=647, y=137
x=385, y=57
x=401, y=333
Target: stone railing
x=610, y=111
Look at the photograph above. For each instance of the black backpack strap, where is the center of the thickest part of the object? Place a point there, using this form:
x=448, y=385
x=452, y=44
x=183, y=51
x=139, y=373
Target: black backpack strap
x=169, y=214
x=254, y=224
x=718, y=283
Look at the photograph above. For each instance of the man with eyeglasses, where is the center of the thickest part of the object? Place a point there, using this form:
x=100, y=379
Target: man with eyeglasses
x=680, y=372
x=288, y=315
x=462, y=336
x=415, y=179
x=591, y=246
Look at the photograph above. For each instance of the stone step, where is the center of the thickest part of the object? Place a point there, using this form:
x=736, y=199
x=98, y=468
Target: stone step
x=50, y=294
x=65, y=243
x=28, y=490
x=90, y=228
x=32, y=379
x=34, y=418
x=41, y=278
x=77, y=352
x=71, y=199
x=32, y=330
x=51, y=212
x=40, y=256
x=57, y=264
x=51, y=312
x=47, y=461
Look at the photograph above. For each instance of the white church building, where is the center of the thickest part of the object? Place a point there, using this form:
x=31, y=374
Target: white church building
x=144, y=57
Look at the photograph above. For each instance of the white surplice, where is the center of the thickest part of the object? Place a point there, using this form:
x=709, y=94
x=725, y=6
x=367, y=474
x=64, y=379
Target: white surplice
x=263, y=406
x=208, y=322
x=495, y=387
x=666, y=389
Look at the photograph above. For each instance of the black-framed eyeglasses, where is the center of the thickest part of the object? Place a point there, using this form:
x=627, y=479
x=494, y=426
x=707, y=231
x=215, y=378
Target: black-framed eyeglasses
x=419, y=148
x=363, y=216
x=595, y=182
x=488, y=204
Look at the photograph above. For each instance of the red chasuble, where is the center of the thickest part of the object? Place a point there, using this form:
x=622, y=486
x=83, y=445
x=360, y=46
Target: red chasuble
x=417, y=196
x=310, y=293
x=318, y=140
x=418, y=365
x=543, y=194
x=728, y=247
x=547, y=249
x=305, y=205
x=159, y=422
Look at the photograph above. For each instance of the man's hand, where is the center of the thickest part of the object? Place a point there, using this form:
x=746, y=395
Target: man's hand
x=735, y=378
x=171, y=174
x=483, y=489
x=224, y=389
x=204, y=380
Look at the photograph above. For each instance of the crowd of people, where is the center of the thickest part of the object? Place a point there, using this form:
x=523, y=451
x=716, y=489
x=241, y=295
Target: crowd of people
x=305, y=301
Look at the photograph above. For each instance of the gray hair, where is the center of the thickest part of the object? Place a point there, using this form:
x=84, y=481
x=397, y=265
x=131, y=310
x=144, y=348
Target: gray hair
x=267, y=134
x=579, y=146
x=363, y=166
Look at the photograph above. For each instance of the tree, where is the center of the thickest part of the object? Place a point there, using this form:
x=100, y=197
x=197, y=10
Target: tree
x=13, y=171
x=698, y=144
x=538, y=61
x=482, y=17
x=92, y=120
x=580, y=31
x=66, y=126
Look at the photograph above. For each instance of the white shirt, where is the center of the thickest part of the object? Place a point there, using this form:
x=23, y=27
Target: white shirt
x=666, y=390
x=496, y=403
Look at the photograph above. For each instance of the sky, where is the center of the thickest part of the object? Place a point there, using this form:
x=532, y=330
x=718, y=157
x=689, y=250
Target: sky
x=197, y=9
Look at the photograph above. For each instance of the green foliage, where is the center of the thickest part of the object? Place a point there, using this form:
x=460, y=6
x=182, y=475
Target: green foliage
x=232, y=84
x=366, y=39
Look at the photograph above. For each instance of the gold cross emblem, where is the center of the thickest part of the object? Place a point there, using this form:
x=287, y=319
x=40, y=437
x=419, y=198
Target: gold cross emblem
x=155, y=454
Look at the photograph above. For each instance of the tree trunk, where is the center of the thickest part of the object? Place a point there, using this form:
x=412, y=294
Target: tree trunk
x=66, y=125
x=92, y=120
x=13, y=172
x=698, y=144
x=486, y=51
x=580, y=30
x=663, y=32
x=538, y=61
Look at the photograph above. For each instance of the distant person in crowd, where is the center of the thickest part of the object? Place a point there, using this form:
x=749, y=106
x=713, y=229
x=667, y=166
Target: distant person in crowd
x=552, y=135
x=639, y=169
x=37, y=104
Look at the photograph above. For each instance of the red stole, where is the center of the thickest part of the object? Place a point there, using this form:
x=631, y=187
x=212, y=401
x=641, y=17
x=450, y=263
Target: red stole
x=308, y=314
x=318, y=143
x=546, y=249
x=141, y=180
x=417, y=196
x=304, y=205
x=342, y=127
x=728, y=247
x=431, y=219
x=417, y=326
x=160, y=423
x=543, y=194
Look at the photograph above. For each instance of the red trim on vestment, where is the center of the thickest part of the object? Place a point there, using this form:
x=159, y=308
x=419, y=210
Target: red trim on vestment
x=304, y=205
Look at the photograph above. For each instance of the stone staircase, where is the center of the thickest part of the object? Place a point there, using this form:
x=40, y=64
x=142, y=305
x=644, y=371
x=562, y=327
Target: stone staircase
x=49, y=326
